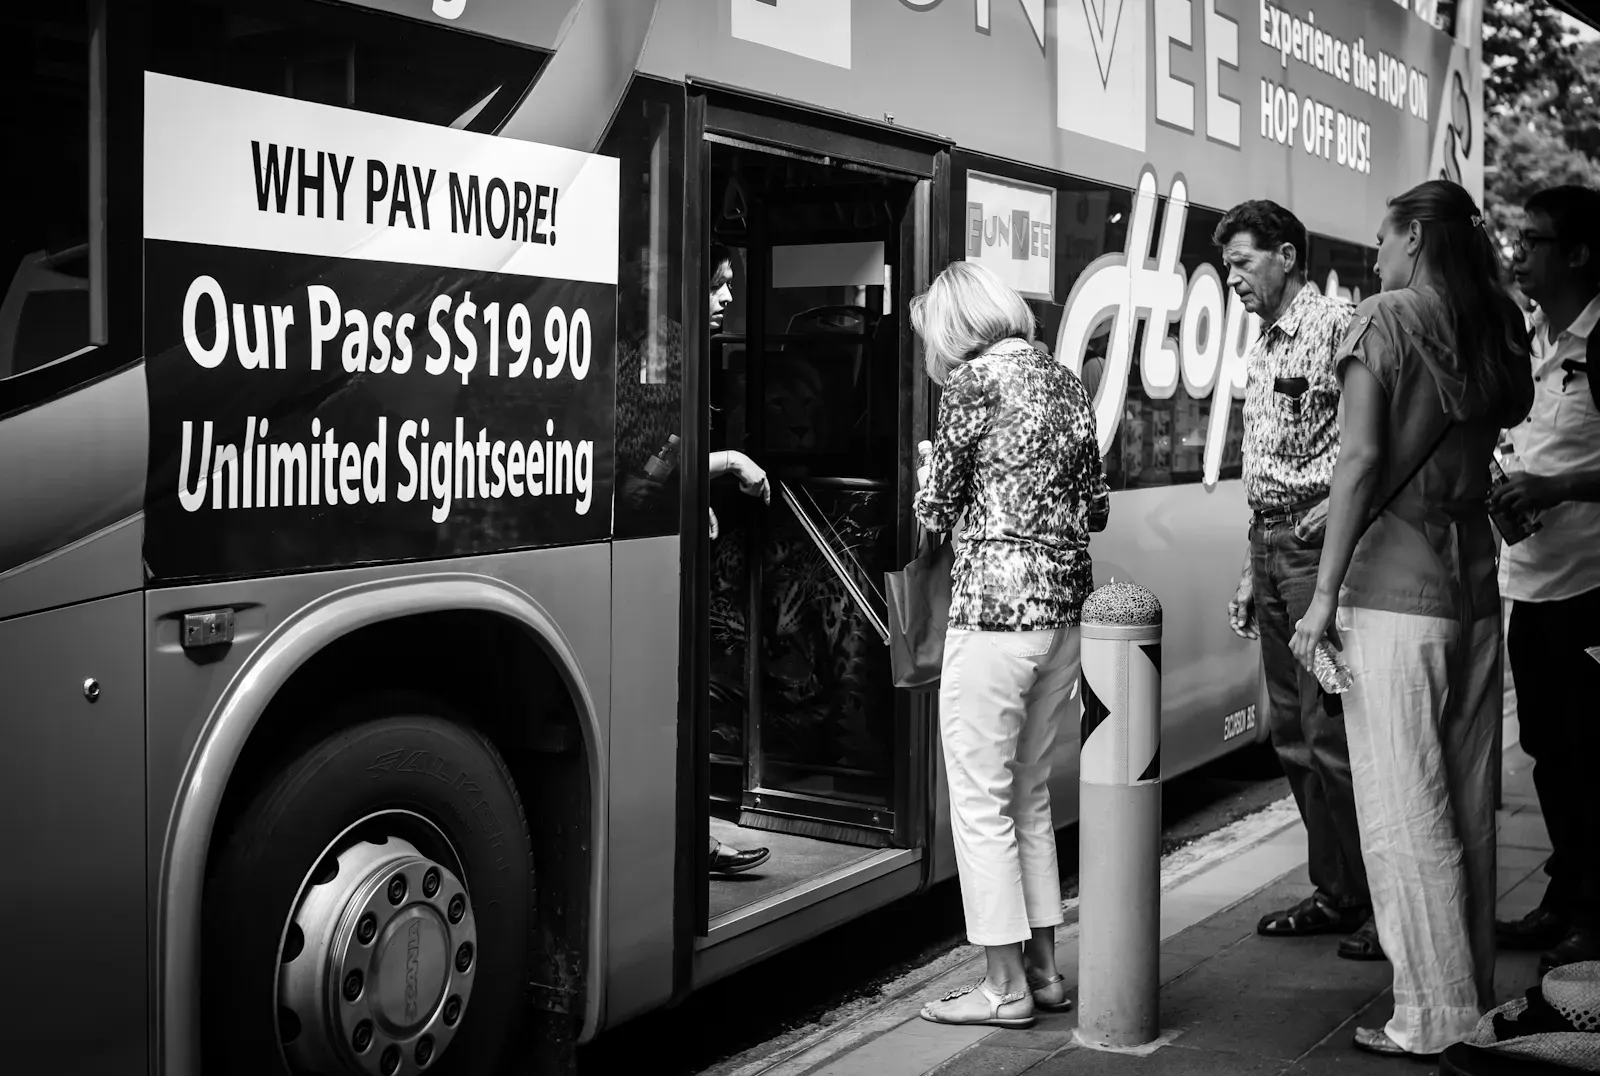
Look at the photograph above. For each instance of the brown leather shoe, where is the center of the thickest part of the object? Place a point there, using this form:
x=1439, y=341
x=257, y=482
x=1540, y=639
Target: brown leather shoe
x=1539, y=929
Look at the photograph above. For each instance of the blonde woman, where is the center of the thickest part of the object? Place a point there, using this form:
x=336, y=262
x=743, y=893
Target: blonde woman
x=1015, y=461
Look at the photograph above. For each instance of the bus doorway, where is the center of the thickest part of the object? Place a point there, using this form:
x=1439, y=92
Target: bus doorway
x=812, y=753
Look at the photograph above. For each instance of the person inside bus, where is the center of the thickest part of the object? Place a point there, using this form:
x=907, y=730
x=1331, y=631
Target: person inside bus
x=725, y=859
x=1015, y=461
x=1291, y=437
x=1434, y=366
x=1553, y=575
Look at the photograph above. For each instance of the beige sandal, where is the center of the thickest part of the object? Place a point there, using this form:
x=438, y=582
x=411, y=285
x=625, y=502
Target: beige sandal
x=1036, y=985
x=974, y=1015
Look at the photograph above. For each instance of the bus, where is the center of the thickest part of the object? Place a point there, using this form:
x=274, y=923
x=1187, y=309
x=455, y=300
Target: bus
x=371, y=675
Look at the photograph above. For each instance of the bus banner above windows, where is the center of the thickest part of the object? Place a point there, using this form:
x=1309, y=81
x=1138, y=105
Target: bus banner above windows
x=1328, y=106
x=368, y=339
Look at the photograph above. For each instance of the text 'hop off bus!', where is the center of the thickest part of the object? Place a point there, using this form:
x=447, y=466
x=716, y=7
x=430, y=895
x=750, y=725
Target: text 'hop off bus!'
x=371, y=678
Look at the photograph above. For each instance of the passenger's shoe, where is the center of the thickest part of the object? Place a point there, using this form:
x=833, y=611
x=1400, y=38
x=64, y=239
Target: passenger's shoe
x=1046, y=986
x=725, y=860
x=1314, y=915
x=979, y=1005
x=1363, y=944
x=1581, y=943
x=1375, y=1040
x=1539, y=929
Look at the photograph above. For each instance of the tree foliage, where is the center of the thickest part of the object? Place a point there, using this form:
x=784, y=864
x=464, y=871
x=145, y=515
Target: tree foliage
x=1542, y=105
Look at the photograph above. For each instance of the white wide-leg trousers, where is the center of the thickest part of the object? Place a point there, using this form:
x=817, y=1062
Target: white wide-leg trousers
x=1002, y=698
x=1421, y=718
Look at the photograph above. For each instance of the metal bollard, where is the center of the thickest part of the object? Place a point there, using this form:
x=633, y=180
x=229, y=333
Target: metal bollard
x=1119, y=819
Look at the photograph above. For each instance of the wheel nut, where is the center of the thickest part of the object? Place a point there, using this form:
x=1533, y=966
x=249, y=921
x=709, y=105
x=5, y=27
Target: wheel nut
x=424, y=1049
x=397, y=889
x=352, y=986
x=464, y=957
x=390, y=1060
x=363, y=1036
x=458, y=908
x=430, y=882
x=452, y=1011
x=367, y=929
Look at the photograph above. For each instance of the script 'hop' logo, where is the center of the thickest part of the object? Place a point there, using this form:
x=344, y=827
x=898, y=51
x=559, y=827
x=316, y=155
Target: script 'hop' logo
x=1100, y=70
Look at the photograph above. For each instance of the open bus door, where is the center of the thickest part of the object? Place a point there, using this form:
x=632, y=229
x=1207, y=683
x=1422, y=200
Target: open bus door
x=823, y=230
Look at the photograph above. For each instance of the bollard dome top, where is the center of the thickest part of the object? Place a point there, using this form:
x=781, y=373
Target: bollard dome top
x=1122, y=603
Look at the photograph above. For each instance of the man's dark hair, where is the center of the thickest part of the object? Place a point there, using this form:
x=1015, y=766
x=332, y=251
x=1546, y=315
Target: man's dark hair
x=1269, y=225
x=1575, y=212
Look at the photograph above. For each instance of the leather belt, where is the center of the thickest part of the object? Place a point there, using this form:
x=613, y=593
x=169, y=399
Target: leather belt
x=1267, y=517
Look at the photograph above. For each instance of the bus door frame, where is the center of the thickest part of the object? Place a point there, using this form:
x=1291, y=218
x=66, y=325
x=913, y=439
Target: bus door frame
x=770, y=124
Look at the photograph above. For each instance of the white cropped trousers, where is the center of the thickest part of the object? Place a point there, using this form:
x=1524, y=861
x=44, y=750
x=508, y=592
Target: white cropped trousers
x=1003, y=697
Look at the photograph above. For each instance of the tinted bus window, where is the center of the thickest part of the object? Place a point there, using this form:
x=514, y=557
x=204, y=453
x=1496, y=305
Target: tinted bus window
x=1159, y=441
x=647, y=135
x=341, y=56
x=44, y=249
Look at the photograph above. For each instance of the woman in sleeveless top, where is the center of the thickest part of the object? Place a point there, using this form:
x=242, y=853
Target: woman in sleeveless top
x=1433, y=367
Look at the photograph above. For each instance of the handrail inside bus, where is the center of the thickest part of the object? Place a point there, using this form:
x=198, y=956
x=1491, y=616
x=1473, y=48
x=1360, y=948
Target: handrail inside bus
x=835, y=562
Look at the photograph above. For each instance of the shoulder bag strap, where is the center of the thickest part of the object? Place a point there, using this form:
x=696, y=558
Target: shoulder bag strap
x=1426, y=456
x=1591, y=352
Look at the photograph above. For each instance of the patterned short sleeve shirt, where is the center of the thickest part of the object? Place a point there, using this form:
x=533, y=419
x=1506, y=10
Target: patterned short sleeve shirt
x=1291, y=403
x=1016, y=460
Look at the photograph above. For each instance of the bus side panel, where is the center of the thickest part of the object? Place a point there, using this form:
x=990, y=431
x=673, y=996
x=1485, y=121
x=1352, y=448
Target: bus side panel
x=644, y=753
x=60, y=486
x=75, y=872
x=1188, y=546
x=570, y=584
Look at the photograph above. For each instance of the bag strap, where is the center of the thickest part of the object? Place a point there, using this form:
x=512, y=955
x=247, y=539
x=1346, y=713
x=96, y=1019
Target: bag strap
x=1591, y=351
x=1422, y=462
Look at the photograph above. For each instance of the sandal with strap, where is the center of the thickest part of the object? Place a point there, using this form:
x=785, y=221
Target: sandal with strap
x=1363, y=944
x=973, y=1015
x=1311, y=916
x=1036, y=985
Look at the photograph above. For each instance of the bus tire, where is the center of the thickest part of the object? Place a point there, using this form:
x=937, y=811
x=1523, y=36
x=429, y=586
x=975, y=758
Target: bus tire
x=309, y=962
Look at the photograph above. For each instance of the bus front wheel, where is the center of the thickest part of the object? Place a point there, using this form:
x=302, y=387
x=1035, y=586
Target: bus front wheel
x=370, y=910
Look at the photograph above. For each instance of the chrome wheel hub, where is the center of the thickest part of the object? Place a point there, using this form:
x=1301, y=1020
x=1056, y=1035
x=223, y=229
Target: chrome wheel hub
x=377, y=963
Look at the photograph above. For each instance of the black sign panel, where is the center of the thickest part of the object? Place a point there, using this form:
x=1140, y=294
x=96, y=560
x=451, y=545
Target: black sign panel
x=310, y=411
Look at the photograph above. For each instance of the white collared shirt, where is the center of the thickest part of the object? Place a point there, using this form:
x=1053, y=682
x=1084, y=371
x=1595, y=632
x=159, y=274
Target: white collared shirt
x=1560, y=435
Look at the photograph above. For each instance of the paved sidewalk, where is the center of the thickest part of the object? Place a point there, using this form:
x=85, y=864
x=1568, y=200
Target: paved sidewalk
x=1232, y=1002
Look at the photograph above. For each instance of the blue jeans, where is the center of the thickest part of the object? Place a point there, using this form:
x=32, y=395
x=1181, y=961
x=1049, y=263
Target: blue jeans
x=1307, y=726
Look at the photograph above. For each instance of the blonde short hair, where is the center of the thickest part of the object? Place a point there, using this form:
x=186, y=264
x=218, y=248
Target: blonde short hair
x=964, y=312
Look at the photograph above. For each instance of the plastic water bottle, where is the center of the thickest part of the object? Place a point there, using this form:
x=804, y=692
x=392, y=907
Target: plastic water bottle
x=1331, y=671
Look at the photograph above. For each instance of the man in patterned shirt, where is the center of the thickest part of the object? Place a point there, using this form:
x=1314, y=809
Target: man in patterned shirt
x=1291, y=440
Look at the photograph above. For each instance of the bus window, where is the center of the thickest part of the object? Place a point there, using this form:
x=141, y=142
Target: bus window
x=45, y=259
x=340, y=56
x=647, y=135
x=1160, y=440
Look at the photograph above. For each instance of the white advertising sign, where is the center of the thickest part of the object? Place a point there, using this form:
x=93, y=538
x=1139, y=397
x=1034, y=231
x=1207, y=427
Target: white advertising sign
x=1010, y=228
x=304, y=178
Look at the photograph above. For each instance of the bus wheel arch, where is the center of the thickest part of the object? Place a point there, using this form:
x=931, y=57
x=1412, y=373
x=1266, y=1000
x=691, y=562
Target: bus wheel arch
x=504, y=658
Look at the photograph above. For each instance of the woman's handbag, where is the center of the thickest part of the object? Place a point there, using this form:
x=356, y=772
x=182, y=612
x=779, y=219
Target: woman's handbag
x=919, y=613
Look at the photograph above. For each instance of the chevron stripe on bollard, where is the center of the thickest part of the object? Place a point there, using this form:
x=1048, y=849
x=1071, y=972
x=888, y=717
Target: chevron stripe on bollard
x=1119, y=819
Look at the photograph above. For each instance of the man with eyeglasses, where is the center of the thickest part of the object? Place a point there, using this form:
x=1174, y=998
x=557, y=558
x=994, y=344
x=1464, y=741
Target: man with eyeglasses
x=1553, y=576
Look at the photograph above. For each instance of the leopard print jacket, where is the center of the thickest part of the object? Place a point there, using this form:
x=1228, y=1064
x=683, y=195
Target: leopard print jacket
x=1016, y=460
